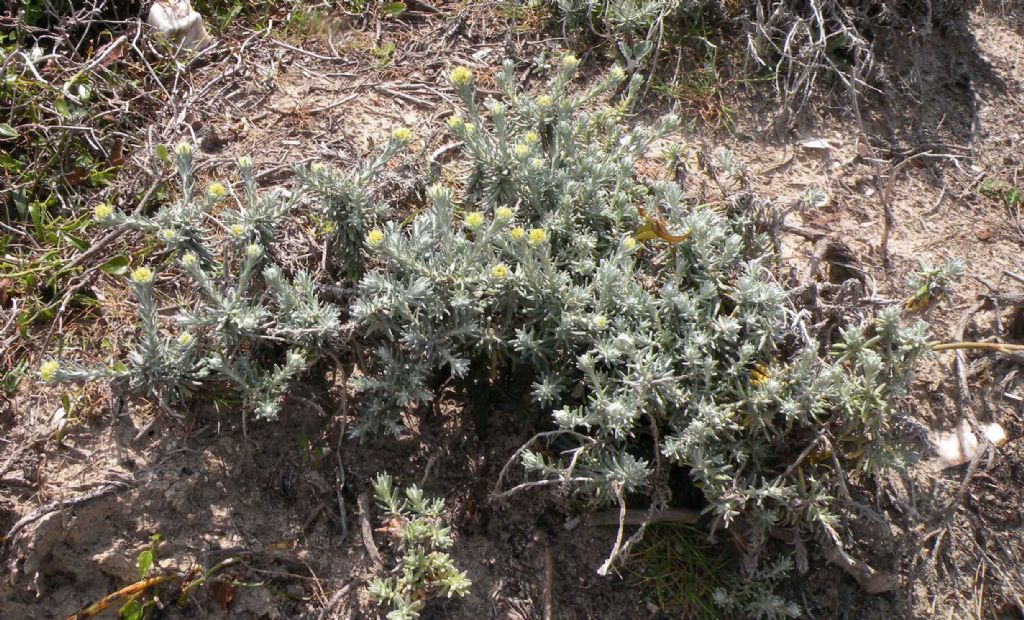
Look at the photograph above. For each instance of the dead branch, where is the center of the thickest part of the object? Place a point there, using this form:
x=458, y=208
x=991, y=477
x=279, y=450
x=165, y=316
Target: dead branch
x=367, y=529
x=60, y=504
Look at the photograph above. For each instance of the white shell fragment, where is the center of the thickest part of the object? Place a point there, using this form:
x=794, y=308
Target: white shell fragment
x=961, y=445
x=816, y=144
x=177, y=21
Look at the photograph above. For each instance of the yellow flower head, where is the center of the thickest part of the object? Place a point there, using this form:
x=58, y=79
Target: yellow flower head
x=48, y=370
x=455, y=121
x=499, y=271
x=236, y=230
x=253, y=250
x=569, y=61
x=375, y=237
x=503, y=213
x=184, y=339
x=189, y=259
x=402, y=134
x=183, y=149
x=474, y=220
x=245, y=162
x=517, y=233
x=168, y=234
x=317, y=167
x=102, y=211
x=142, y=275
x=543, y=101
x=470, y=129
x=216, y=190
x=618, y=73
x=531, y=137
x=521, y=150
x=629, y=243
x=538, y=236
x=536, y=162
x=600, y=322
x=461, y=76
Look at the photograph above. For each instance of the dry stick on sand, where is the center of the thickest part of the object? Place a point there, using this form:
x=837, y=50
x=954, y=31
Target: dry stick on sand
x=964, y=406
x=129, y=592
x=549, y=582
x=136, y=589
x=336, y=598
x=885, y=196
x=603, y=570
x=58, y=505
x=869, y=579
x=364, y=519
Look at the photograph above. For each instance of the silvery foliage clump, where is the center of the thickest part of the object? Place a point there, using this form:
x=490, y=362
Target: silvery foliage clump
x=417, y=534
x=691, y=344
x=345, y=205
x=440, y=295
x=753, y=596
x=179, y=226
x=622, y=18
x=244, y=322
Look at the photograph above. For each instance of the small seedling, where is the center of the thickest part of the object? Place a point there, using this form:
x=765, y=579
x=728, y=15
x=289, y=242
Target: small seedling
x=384, y=54
x=932, y=284
x=416, y=532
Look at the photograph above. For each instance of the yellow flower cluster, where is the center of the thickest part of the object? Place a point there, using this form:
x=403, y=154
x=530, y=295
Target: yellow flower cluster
x=517, y=233
x=503, y=213
x=402, y=134
x=499, y=271
x=142, y=275
x=374, y=238
x=102, y=211
x=460, y=76
x=48, y=370
x=216, y=190
x=474, y=220
x=537, y=236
